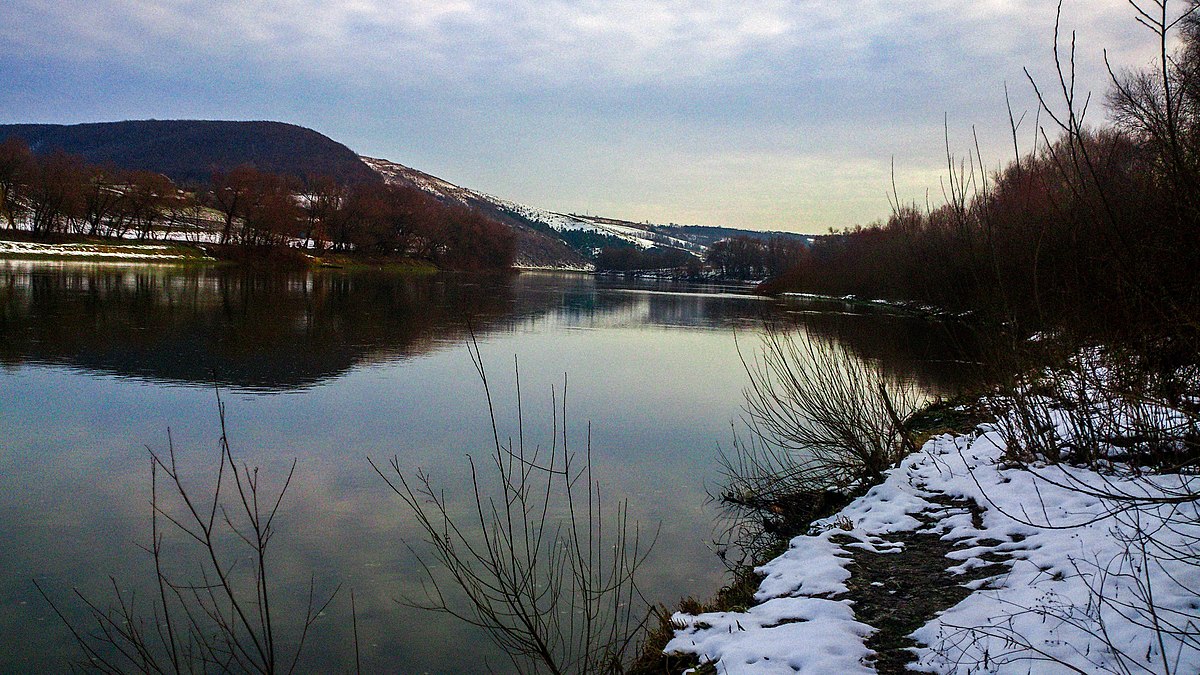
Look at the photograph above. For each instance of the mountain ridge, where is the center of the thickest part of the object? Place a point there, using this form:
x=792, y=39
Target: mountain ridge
x=191, y=150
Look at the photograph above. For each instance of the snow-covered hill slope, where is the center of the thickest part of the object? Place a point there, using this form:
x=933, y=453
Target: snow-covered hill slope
x=562, y=227
x=640, y=235
x=537, y=246
x=403, y=175
x=643, y=235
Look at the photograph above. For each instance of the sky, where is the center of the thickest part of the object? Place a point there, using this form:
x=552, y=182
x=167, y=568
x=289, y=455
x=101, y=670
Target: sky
x=762, y=114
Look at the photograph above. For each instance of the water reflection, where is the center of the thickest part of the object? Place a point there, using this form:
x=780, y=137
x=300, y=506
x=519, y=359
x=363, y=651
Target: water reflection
x=374, y=365
x=238, y=329
x=287, y=331
x=940, y=356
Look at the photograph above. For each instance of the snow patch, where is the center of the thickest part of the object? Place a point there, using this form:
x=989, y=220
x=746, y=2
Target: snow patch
x=149, y=252
x=1074, y=594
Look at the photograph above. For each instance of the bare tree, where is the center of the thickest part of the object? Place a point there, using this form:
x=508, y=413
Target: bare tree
x=1162, y=105
x=323, y=198
x=15, y=164
x=103, y=191
x=230, y=192
x=148, y=197
x=270, y=216
x=53, y=192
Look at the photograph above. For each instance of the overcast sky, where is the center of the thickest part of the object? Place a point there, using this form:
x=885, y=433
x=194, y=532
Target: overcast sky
x=752, y=113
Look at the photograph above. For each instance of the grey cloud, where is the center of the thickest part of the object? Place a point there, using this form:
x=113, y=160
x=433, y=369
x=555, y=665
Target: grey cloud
x=543, y=98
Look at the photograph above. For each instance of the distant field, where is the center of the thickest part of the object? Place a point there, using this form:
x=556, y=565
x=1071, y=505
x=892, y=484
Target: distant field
x=102, y=251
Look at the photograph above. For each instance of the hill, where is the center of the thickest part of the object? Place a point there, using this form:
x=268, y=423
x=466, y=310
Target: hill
x=190, y=150
x=537, y=244
x=557, y=239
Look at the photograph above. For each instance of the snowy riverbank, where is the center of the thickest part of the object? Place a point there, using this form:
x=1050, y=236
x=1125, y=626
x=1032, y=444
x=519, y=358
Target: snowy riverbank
x=86, y=251
x=1082, y=571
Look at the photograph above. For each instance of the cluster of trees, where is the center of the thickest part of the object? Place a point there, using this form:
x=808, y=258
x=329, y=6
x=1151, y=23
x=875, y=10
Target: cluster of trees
x=370, y=219
x=739, y=257
x=631, y=258
x=745, y=257
x=1098, y=227
x=61, y=194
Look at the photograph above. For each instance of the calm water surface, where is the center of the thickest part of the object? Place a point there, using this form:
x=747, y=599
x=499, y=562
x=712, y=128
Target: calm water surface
x=98, y=362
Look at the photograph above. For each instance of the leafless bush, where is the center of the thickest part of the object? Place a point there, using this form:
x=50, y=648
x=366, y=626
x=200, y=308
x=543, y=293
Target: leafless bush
x=1103, y=410
x=1127, y=410
x=839, y=419
x=819, y=423
x=1101, y=406
x=222, y=621
x=757, y=480
x=543, y=564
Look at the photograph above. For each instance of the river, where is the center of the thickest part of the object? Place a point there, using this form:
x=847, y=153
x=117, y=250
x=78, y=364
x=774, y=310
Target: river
x=331, y=368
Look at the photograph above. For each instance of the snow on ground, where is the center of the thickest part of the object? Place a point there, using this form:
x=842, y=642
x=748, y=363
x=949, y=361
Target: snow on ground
x=1083, y=589
x=563, y=223
x=525, y=265
x=110, y=251
x=391, y=171
x=913, y=306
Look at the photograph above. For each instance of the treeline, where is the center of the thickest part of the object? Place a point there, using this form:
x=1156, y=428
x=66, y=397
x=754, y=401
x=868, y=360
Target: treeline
x=746, y=257
x=1043, y=236
x=60, y=194
x=739, y=257
x=1097, y=228
x=631, y=258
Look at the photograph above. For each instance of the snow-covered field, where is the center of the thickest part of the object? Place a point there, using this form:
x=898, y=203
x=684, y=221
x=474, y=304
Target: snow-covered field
x=130, y=252
x=560, y=267
x=1100, y=574
x=392, y=172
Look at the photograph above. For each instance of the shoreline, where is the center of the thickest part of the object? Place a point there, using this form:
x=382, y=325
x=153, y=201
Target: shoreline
x=966, y=556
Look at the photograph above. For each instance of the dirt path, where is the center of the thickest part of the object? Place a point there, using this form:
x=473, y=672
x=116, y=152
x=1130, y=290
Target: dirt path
x=897, y=593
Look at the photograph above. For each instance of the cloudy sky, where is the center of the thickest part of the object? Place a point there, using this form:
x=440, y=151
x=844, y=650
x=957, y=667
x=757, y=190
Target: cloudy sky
x=756, y=113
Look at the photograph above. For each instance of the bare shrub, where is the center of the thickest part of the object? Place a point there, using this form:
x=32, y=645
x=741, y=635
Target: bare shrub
x=543, y=564
x=819, y=423
x=1102, y=405
x=1128, y=409
x=839, y=419
x=1103, y=409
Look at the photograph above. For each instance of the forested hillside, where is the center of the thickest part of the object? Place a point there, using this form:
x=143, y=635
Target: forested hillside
x=188, y=151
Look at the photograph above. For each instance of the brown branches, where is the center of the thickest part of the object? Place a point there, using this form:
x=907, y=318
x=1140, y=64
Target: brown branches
x=821, y=424
x=839, y=416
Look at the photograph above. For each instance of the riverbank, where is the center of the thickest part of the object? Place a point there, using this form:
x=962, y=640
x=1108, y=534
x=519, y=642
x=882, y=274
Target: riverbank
x=97, y=251
x=913, y=308
x=970, y=557
x=67, y=248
